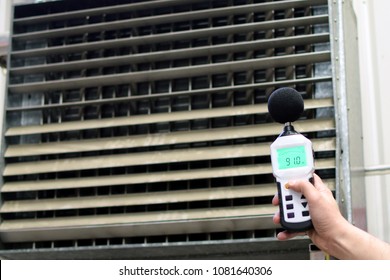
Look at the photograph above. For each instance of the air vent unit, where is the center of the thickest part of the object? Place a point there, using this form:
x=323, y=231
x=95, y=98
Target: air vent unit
x=137, y=124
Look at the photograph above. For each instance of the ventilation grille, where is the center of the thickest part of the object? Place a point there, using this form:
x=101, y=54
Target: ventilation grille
x=133, y=122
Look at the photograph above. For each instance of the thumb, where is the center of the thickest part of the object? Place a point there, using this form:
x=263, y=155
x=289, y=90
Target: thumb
x=305, y=187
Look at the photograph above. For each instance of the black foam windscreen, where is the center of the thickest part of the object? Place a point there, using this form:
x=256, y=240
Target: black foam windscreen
x=285, y=105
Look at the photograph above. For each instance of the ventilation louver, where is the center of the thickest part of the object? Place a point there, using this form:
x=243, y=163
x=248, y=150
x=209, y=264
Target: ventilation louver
x=145, y=122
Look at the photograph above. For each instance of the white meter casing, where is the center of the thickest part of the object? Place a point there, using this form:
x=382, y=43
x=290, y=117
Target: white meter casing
x=292, y=159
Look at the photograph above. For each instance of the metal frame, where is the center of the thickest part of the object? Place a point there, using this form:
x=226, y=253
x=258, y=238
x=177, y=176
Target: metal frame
x=248, y=248
x=350, y=186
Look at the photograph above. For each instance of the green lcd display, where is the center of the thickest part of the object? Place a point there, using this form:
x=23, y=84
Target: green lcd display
x=292, y=157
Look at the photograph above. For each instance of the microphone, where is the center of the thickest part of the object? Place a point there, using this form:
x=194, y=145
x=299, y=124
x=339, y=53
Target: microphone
x=285, y=105
x=291, y=158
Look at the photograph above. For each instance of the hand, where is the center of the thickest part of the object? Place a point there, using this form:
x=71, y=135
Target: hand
x=324, y=211
x=332, y=233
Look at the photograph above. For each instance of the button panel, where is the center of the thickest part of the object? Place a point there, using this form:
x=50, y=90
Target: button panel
x=304, y=211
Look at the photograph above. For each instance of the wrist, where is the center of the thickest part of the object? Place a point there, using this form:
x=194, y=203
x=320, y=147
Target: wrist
x=356, y=244
x=344, y=240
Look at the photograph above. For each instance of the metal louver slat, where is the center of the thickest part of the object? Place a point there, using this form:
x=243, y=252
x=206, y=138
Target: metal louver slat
x=170, y=222
x=172, y=73
x=138, y=199
x=207, y=91
x=179, y=35
x=193, y=154
x=173, y=54
x=143, y=199
x=128, y=123
x=147, y=119
x=144, y=6
x=139, y=178
x=155, y=157
x=116, y=8
x=161, y=19
x=157, y=139
x=135, y=120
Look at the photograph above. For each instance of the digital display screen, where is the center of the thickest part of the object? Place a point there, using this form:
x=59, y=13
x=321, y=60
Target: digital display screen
x=292, y=157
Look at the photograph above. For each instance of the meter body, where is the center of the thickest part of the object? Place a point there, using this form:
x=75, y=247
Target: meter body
x=292, y=159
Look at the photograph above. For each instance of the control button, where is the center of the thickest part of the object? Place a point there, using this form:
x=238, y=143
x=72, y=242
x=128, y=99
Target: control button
x=290, y=215
x=304, y=204
x=305, y=213
x=290, y=206
x=303, y=197
x=289, y=197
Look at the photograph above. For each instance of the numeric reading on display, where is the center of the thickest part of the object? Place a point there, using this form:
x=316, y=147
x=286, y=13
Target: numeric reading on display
x=292, y=157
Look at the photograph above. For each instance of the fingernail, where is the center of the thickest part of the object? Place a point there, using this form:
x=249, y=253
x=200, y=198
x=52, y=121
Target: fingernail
x=290, y=183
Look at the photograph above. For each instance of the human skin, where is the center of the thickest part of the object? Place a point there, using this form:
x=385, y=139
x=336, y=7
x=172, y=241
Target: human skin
x=331, y=232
